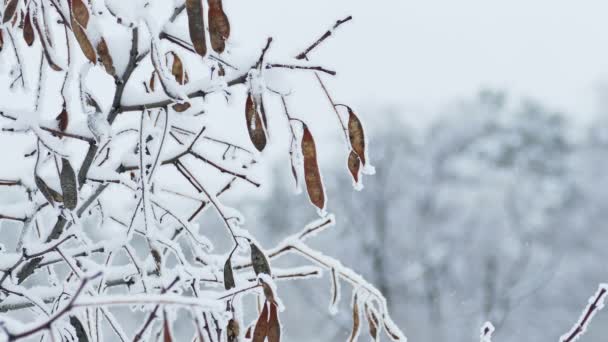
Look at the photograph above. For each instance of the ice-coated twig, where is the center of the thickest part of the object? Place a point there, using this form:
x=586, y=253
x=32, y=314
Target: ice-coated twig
x=596, y=303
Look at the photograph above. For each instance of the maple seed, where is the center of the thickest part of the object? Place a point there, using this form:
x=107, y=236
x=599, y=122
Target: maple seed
x=196, y=26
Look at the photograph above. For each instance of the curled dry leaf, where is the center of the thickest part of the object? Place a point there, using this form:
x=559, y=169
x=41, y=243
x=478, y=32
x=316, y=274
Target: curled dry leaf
x=233, y=330
x=274, y=326
x=196, y=25
x=85, y=44
x=219, y=26
x=105, y=57
x=181, y=107
x=229, y=282
x=81, y=333
x=356, y=135
x=356, y=319
x=260, y=332
x=177, y=69
x=312, y=176
x=255, y=118
x=62, y=119
x=354, y=165
x=49, y=194
x=9, y=10
x=259, y=260
x=28, y=30
x=69, y=188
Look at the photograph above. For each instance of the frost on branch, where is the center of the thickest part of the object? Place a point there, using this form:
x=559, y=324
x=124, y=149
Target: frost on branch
x=127, y=138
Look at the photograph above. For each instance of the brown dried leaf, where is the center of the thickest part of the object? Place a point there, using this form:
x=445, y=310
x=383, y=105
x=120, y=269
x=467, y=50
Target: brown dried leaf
x=80, y=12
x=259, y=261
x=181, y=107
x=229, y=282
x=69, y=187
x=356, y=135
x=255, y=125
x=260, y=332
x=152, y=83
x=105, y=57
x=167, y=330
x=62, y=119
x=1, y=40
x=232, y=331
x=84, y=42
x=196, y=25
x=249, y=332
x=354, y=165
x=177, y=69
x=372, y=321
x=312, y=176
x=274, y=328
x=9, y=10
x=28, y=30
x=219, y=26
x=356, y=320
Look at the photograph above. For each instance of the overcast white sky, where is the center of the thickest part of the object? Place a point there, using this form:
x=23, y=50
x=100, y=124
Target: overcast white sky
x=422, y=54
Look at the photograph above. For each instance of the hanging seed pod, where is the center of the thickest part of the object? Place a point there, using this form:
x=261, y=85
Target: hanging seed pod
x=229, y=282
x=105, y=57
x=356, y=135
x=259, y=261
x=232, y=330
x=356, y=320
x=9, y=10
x=1, y=40
x=354, y=165
x=312, y=176
x=177, y=69
x=152, y=83
x=196, y=26
x=219, y=26
x=274, y=326
x=28, y=30
x=80, y=12
x=372, y=321
x=69, y=188
x=84, y=42
x=62, y=119
x=255, y=123
x=260, y=332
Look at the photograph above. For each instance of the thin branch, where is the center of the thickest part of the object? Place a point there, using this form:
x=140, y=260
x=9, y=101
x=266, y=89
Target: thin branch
x=596, y=303
x=300, y=67
x=329, y=33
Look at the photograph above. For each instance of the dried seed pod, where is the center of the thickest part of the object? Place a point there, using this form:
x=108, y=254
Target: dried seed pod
x=84, y=42
x=177, y=69
x=356, y=135
x=274, y=326
x=28, y=30
x=259, y=261
x=389, y=331
x=181, y=107
x=80, y=12
x=167, y=330
x=255, y=123
x=152, y=83
x=219, y=26
x=354, y=165
x=196, y=25
x=372, y=321
x=356, y=320
x=105, y=57
x=9, y=10
x=312, y=176
x=49, y=194
x=260, y=332
x=81, y=333
x=69, y=187
x=229, y=282
x=232, y=330
x=1, y=40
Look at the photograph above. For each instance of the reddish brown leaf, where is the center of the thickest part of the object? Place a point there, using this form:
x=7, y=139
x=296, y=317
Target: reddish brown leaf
x=80, y=12
x=356, y=135
x=248, y=333
x=260, y=332
x=274, y=328
x=152, y=81
x=312, y=176
x=255, y=125
x=356, y=320
x=105, y=57
x=9, y=10
x=28, y=30
x=354, y=165
x=232, y=331
x=177, y=69
x=62, y=119
x=167, y=331
x=219, y=26
x=84, y=42
x=196, y=25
